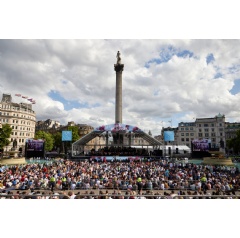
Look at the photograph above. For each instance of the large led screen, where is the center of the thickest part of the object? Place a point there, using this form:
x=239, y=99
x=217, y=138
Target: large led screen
x=200, y=145
x=66, y=135
x=35, y=145
x=168, y=135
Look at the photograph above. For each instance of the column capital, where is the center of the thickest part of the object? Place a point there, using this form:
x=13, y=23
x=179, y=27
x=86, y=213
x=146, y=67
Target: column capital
x=118, y=67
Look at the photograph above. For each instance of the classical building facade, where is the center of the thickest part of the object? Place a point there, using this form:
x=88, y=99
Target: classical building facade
x=22, y=119
x=231, y=129
x=212, y=128
x=186, y=133
x=49, y=125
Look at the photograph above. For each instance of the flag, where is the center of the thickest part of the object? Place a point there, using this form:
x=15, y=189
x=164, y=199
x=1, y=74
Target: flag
x=33, y=102
x=24, y=96
x=18, y=95
x=30, y=99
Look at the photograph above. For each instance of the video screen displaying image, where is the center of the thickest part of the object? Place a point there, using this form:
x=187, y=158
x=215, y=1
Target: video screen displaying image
x=35, y=145
x=200, y=145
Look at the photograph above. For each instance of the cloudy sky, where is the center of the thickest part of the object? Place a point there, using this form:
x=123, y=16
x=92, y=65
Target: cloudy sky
x=163, y=80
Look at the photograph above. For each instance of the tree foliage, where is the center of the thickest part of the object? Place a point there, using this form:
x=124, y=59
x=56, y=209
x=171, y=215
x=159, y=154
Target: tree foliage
x=57, y=137
x=47, y=137
x=75, y=135
x=234, y=143
x=5, y=133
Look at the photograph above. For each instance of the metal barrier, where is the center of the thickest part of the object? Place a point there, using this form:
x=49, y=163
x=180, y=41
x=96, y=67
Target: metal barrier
x=115, y=196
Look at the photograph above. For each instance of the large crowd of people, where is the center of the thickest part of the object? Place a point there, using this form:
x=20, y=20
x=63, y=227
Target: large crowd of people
x=118, y=179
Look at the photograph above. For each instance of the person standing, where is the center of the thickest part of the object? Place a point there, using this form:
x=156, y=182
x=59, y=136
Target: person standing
x=52, y=182
x=140, y=185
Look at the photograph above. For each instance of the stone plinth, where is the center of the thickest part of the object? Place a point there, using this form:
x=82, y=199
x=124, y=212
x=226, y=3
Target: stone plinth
x=217, y=158
x=217, y=161
x=12, y=161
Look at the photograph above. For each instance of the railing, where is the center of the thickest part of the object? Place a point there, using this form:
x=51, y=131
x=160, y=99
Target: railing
x=114, y=196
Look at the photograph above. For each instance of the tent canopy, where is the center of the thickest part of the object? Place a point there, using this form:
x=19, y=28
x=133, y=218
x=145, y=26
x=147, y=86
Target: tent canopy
x=117, y=128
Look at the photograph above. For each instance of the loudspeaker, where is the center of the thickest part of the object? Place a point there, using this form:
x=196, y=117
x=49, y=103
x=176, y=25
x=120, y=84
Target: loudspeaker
x=169, y=150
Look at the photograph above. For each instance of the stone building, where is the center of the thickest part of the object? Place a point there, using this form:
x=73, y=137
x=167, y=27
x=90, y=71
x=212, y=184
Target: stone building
x=231, y=129
x=22, y=119
x=211, y=128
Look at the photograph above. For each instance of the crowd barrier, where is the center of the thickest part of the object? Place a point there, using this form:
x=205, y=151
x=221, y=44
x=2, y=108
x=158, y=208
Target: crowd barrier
x=116, y=196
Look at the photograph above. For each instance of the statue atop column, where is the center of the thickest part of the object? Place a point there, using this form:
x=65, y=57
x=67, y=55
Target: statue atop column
x=118, y=58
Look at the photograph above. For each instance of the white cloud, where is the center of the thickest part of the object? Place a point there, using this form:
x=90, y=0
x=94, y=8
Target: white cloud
x=83, y=71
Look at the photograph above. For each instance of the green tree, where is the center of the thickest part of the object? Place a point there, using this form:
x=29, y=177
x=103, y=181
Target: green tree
x=57, y=137
x=75, y=134
x=234, y=143
x=5, y=132
x=47, y=137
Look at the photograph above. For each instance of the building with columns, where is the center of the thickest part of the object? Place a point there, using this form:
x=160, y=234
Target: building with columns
x=22, y=119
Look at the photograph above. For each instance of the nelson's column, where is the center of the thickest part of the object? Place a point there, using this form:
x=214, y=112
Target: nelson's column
x=118, y=67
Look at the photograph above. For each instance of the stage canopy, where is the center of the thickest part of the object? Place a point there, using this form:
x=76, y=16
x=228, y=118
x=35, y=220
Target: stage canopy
x=117, y=128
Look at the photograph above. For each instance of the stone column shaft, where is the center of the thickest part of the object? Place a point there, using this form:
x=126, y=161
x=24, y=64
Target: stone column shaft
x=118, y=105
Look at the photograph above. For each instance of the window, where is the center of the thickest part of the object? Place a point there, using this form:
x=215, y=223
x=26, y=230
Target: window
x=187, y=134
x=182, y=139
x=206, y=135
x=213, y=134
x=213, y=130
x=200, y=134
x=206, y=129
x=182, y=134
x=205, y=125
x=191, y=134
x=186, y=128
x=199, y=125
x=182, y=129
x=187, y=139
x=212, y=125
